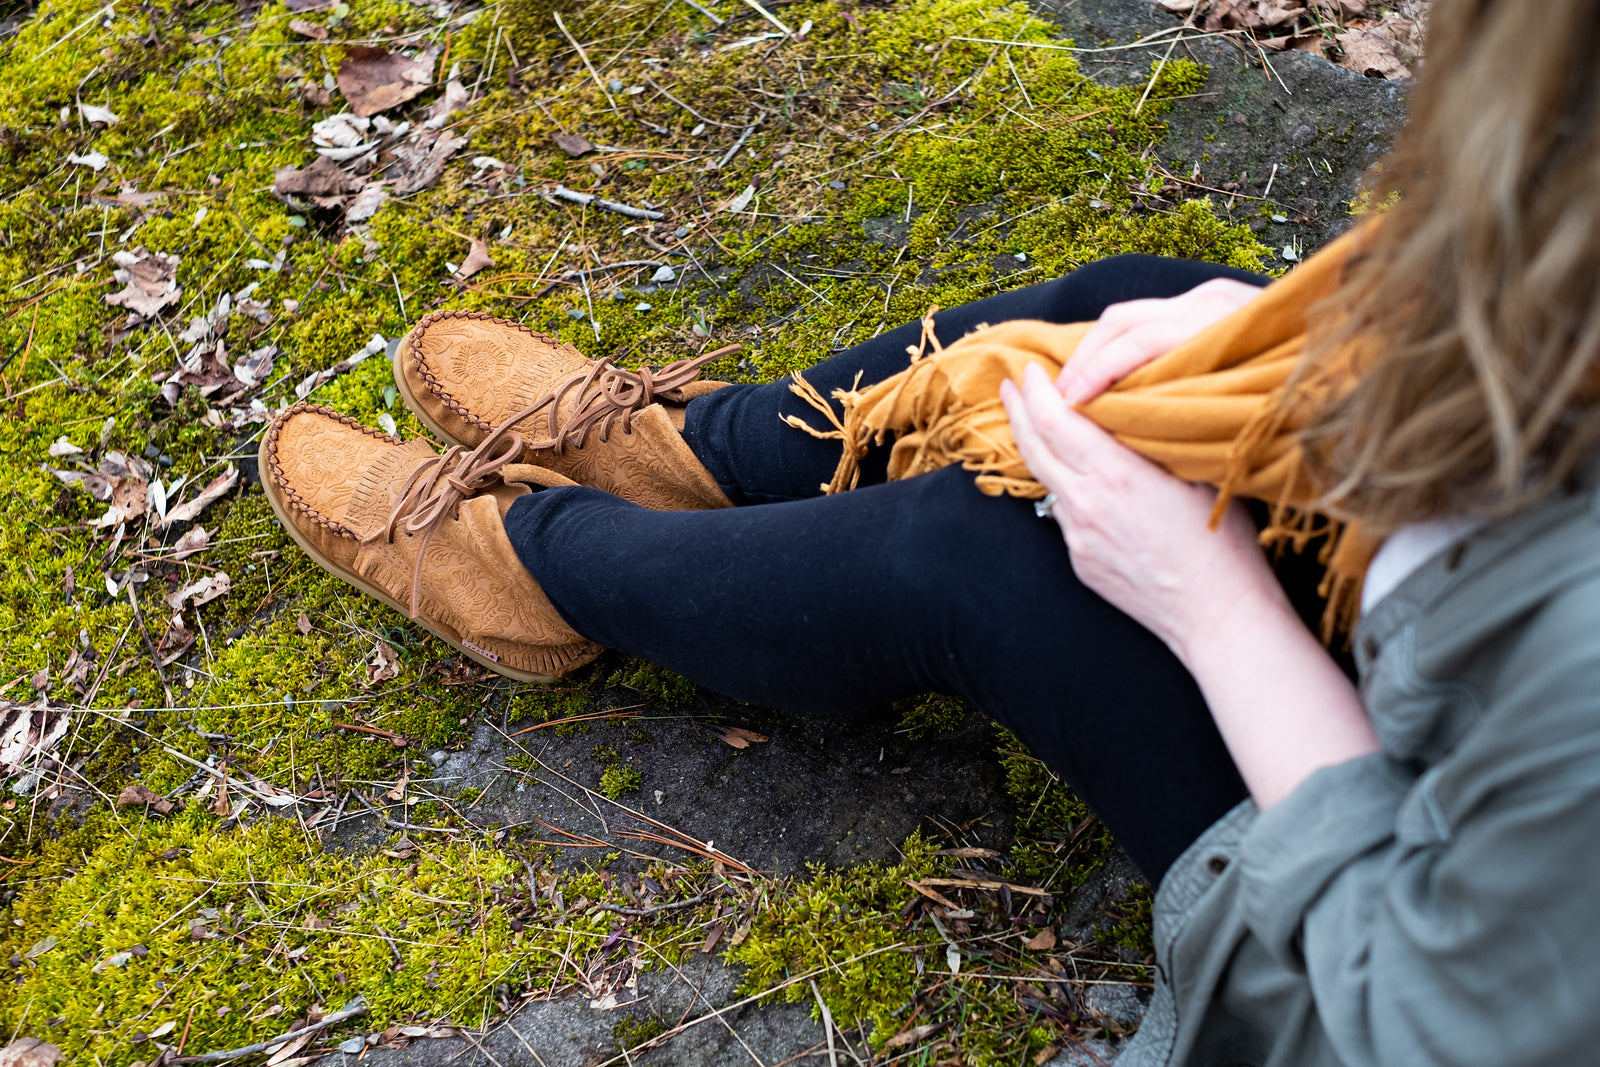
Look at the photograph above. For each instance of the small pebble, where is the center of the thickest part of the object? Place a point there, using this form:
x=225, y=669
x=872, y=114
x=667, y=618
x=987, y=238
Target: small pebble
x=1021, y=257
x=873, y=126
x=616, y=85
x=352, y=1046
x=664, y=274
x=681, y=231
x=836, y=184
x=575, y=313
x=438, y=758
x=641, y=306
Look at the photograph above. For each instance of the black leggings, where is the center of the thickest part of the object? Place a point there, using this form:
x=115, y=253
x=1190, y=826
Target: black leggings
x=836, y=604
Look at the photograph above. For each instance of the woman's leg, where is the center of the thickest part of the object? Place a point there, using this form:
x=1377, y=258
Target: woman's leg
x=837, y=604
x=738, y=432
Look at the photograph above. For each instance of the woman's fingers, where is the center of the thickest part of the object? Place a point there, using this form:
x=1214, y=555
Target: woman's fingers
x=1131, y=334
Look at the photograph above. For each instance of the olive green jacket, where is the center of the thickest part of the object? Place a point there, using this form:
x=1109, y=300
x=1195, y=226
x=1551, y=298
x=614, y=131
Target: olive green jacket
x=1438, y=903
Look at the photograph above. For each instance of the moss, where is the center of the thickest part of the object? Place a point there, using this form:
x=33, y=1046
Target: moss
x=633, y=1030
x=930, y=715
x=618, y=780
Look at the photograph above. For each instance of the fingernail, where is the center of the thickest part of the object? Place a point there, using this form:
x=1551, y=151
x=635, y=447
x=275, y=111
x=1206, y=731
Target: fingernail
x=1035, y=376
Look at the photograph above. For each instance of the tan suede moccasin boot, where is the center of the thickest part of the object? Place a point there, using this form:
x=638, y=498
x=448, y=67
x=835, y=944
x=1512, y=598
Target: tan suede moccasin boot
x=421, y=531
x=466, y=374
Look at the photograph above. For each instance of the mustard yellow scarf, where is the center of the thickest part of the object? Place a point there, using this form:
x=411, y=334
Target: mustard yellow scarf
x=1211, y=410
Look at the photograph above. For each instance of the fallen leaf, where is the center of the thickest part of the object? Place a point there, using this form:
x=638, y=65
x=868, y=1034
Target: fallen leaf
x=130, y=196
x=1294, y=42
x=30, y=1052
x=740, y=202
x=288, y=1049
x=303, y=624
x=399, y=790
x=323, y=178
x=201, y=591
x=194, y=540
x=299, y=6
x=43, y=946
x=135, y=795
x=95, y=484
x=912, y=1036
x=252, y=368
x=149, y=282
x=1043, y=941
x=63, y=447
x=305, y=28
x=420, y=163
x=91, y=113
x=130, y=499
x=477, y=259
x=375, y=80
x=454, y=99
x=1381, y=49
x=26, y=731
x=572, y=144
x=344, y=130
x=95, y=161
x=952, y=957
x=189, y=510
x=164, y=1029
x=384, y=664
x=739, y=737
x=366, y=203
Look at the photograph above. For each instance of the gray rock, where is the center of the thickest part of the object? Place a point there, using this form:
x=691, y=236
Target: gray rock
x=663, y=275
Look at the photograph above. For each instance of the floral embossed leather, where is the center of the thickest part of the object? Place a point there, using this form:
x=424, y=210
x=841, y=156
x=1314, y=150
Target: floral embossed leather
x=422, y=532
x=465, y=374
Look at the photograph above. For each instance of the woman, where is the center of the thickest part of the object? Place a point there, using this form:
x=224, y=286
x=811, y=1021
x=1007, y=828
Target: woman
x=1397, y=874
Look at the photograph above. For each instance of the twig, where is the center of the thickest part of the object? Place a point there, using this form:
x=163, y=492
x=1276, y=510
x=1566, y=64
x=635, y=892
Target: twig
x=561, y=192
x=562, y=26
x=769, y=16
x=713, y=122
x=155, y=658
x=674, y=906
x=827, y=1023
x=743, y=137
x=357, y=1007
x=708, y=14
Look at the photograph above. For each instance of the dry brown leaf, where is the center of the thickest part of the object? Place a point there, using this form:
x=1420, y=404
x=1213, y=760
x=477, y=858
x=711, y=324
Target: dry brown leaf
x=477, y=259
x=27, y=730
x=573, y=144
x=135, y=795
x=375, y=80
x=1043, y=941
x=215, y=490
x=203, y=591
x=323, y=178
x=454, y=99
x=912, y=1036
x=1381, y=49
x=303, y=624
x=1254, y=15
x=398, y=793
x=384, y=664
x=306, y=28
x=418, y=164
x=30, y=1052
x=195, y=539
x=149, y=282
x=739, y=737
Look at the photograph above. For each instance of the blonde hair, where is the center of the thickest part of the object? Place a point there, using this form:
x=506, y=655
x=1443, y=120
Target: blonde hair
x=1480, y=289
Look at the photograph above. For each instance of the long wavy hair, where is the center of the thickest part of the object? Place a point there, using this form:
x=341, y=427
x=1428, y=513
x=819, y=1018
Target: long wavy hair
x=1480, y=288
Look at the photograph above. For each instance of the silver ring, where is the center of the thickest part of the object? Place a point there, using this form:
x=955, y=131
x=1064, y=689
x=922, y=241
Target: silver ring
x=1042, y=508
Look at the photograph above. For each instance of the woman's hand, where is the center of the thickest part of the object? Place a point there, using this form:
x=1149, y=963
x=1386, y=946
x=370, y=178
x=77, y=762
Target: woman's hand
x=1137, y=535
x=1131, y=334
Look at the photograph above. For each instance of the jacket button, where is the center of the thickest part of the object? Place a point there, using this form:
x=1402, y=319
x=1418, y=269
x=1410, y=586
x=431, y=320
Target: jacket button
x=1217, y=864
x=1370, y=647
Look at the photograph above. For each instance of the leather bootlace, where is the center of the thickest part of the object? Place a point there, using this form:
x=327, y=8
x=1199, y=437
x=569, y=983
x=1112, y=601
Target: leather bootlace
x=438, y=487
x=606, y=394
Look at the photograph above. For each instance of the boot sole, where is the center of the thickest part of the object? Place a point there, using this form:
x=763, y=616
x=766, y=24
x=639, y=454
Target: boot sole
x=282, y=512
x=411, y=400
